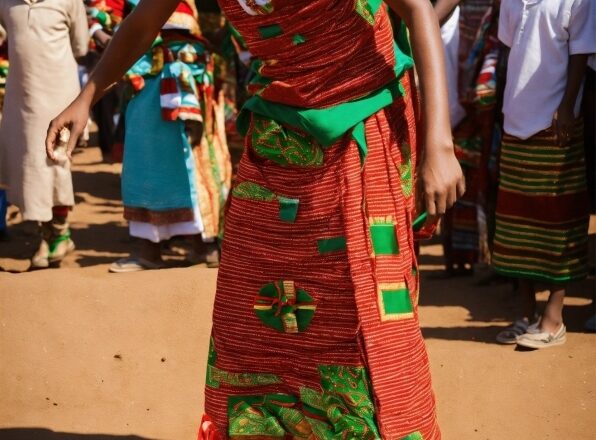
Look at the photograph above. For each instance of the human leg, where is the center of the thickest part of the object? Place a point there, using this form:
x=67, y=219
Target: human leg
x=56, y=240
x=552, y=318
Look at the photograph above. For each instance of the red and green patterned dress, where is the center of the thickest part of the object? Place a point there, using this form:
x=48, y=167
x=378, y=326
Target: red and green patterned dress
x=315, y=327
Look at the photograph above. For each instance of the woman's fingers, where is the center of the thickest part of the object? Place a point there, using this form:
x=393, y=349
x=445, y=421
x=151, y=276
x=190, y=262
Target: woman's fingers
x=429, y=202
x=441, y=202
x=76, y=130
x=437, y=202
x=52, y=137
x=451, y=196
x=461, y=187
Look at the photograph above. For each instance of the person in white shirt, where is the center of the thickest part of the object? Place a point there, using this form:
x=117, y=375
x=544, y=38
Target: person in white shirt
x=542, y=209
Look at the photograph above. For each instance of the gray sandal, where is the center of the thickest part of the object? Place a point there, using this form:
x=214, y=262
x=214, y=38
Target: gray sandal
x=514, y=331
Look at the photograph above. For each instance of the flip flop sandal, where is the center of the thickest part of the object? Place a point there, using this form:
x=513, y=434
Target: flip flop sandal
x=132, y=264
x=514, y=331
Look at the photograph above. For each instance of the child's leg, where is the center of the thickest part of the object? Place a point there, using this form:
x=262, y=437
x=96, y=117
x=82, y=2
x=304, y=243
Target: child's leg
x=552, y=318
x=150, y=251
x=206, y=251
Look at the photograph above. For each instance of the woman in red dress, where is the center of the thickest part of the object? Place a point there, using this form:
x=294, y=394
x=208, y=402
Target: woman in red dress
x=315, y=327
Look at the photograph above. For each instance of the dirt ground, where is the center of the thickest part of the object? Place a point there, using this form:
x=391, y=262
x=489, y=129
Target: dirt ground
x=85, y=354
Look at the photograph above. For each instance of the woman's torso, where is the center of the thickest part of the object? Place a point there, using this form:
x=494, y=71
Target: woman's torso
x=317, y=53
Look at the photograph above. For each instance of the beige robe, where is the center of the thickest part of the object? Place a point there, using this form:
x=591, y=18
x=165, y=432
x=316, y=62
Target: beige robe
x=44, y=37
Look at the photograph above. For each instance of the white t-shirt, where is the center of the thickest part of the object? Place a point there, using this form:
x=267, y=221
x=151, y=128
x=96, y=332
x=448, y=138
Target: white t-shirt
x=541, y=34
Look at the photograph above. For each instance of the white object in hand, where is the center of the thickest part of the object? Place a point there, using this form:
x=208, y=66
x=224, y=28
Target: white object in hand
x=61, y=145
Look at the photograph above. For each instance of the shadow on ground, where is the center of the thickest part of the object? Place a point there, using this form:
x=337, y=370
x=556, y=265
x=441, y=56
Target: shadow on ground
x=46, y=434
x=101, y=184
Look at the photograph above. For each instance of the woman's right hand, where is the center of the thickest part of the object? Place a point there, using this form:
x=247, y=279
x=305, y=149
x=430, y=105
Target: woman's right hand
x=74, y=118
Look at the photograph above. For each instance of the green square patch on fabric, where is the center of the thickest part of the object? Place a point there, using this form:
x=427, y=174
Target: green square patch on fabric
x=270, y=31
x=395, y=302
x=330, y=245
x=288, y=209
x=384, y=239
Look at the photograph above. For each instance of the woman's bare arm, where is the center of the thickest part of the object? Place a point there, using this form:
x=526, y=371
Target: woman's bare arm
x=444, y=9
x=134, y=37
x=440, y=174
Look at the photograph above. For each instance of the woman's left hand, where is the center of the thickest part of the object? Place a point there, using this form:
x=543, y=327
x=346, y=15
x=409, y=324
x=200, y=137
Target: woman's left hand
x=563, y=123
x=441, y=179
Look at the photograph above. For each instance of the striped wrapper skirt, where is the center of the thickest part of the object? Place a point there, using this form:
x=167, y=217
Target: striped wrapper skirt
x=315, y=329
x=542, y=210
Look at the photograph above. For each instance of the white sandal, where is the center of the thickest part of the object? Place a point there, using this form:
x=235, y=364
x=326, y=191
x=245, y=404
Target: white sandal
x=543, y=339
x=132, y=264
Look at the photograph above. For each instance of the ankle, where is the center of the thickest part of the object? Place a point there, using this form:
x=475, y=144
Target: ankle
x=150, y=251
x=551, y=323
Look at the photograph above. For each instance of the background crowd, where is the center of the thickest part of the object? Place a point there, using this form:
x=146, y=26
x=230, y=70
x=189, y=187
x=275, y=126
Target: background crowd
x=521, y=92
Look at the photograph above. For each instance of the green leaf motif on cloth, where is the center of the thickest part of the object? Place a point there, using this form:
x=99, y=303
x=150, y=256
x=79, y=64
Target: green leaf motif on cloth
x=345, y=402
x=363, y=9
x=246, y=420
x=253, y=191
x=405, y=169
x=414, y=436
x=288, y=207
x=282, y=306
x=216, y=376
x=284, y=146
x=271, y=416
x=342, y=410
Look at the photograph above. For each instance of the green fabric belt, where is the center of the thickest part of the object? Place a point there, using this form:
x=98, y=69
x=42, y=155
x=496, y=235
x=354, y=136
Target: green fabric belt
x=327, y=125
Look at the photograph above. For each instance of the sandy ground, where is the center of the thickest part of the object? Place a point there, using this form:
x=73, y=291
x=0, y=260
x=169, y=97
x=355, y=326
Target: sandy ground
x=89, y=355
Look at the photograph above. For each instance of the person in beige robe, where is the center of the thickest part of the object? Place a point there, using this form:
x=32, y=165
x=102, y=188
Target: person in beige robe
x=44, y=39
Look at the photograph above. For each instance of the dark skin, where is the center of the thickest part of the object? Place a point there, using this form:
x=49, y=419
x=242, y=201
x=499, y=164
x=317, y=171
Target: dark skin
x=101, y=38
x=440, y=174
x=444, y=9
x=564, y=118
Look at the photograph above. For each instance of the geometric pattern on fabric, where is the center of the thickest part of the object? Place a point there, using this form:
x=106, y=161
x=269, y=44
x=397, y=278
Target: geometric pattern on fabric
x=395, y=302
x=285, y=308
x=405, y=170
x=542, y=209
x=383, y=236
x=342, y=409
x=270, y=31
x=283, y=145
x=288, y=207
x=336, y=200
x=332, y=244
x=386, y=361
x=216, y=376
x=363, y=9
